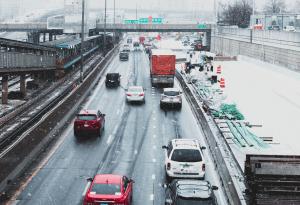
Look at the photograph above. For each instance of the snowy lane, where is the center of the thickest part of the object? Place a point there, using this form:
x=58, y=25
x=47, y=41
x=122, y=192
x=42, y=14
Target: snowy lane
x=267, y=95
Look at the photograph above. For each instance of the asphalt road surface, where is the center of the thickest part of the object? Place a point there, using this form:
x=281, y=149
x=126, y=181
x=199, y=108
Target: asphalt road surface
x=131, y=144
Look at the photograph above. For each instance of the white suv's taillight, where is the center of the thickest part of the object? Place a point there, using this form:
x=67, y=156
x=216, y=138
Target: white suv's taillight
x=203, y=167
x=168, y=166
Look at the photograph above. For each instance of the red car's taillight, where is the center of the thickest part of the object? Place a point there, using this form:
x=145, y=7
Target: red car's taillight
x=142, y=94
x=168, y=166
x=203, y=167
x=128, y=94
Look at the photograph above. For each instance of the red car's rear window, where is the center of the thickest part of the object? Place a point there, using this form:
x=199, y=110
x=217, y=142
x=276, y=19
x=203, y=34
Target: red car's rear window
x=86, y=117
x=106, y=189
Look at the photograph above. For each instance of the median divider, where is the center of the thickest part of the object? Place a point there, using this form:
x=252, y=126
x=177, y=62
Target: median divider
x=16, y=158
x=232, y=193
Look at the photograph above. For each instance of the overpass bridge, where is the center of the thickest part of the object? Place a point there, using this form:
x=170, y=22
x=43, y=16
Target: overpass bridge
x=21, y=58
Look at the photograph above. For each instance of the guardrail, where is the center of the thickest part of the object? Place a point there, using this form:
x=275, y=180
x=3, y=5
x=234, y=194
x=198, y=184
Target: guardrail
x=220, y=164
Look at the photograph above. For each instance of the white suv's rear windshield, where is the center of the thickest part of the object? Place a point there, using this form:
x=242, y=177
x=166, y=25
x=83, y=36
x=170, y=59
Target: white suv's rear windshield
x=106, y=189
x=171, y=93
x=186, y=155
x=86, y=117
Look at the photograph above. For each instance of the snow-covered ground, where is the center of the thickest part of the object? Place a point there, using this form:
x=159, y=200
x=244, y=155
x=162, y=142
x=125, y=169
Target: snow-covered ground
x=266, y=94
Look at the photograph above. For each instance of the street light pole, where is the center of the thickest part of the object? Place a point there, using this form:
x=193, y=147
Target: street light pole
x=82, y=41
x=104, y=37
x=114, y=20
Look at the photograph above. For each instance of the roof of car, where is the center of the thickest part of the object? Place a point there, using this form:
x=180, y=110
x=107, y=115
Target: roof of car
x=171, y=89
x=193, y=188
x=88, y=112
x=135, y=87
x=107, y=178
x=186, y=143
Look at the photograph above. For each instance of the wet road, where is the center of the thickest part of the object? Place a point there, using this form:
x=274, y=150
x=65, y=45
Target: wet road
x=131, y=144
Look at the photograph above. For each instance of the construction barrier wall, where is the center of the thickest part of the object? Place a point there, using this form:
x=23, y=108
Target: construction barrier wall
x=228, y=46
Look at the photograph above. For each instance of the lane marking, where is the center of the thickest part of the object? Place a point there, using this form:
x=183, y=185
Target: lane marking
x=154, y=136
x=154, y=147
x=109, y=140
x=85, y=189
x=153, y=177
x=151, y=197
x=135, y=151
x=154, y=127
x=153, y=160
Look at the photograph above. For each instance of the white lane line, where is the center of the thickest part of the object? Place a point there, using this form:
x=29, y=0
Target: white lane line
x=109, y=140
x=153, y=160
x=118, y=112
x=151, y=197
x=154, y=147
x=154, y=127
x=86, y=188
x=135, y=151
x=153, y=177
x=154, y=136
x=154, y=118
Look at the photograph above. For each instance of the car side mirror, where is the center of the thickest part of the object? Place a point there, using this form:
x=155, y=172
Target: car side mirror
x=214, y=187
x=90, y=179
x=203, y=148
x=168, y=202
x=165, y=147
x=131, y=180
x=103, y=115
x=165, y=186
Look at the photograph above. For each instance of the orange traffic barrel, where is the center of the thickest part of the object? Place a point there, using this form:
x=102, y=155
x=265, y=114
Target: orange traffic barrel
x=219, y=69
x=222, y=83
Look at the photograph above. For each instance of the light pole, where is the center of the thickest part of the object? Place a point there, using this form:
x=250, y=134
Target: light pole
x=104, y=37
x=114, y=20
x=82, y=41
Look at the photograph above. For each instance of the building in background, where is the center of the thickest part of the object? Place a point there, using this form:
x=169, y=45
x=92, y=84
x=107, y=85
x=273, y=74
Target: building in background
x=9, y=9
x=281, y=20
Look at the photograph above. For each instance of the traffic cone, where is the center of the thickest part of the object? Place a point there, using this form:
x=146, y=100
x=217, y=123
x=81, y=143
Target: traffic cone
x=219, y=69
x=222, y=83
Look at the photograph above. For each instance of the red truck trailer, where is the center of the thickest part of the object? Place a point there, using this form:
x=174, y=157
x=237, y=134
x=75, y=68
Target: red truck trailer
x=162, y=68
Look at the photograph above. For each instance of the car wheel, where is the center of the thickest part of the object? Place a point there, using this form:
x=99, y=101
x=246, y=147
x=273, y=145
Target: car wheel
x=168, y=179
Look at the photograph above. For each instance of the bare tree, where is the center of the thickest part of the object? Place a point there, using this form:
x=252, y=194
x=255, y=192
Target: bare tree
x=237, y=13
x=275, y=6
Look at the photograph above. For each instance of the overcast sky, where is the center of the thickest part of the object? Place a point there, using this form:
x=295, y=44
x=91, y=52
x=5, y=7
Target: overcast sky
x=152, y=4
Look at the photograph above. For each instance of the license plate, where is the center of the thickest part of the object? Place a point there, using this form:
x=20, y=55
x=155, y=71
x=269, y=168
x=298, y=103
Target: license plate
x=104, y=204
x=86, y=125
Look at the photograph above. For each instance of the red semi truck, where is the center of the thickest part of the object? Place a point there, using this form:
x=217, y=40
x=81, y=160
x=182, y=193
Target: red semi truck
x=162, y=68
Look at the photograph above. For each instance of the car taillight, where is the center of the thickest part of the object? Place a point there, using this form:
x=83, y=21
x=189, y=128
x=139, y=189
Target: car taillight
x=142, y=94
x=168, y=166
x=203, y=167
x=128, y=94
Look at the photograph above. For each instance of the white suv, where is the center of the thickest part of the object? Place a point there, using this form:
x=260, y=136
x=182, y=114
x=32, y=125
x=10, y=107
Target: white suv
x=184, y=159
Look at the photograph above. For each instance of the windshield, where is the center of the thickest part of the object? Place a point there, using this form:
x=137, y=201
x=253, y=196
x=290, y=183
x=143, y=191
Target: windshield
x=193, y=201
x=106, y=189
x=171, y=93
x=86, y=117
x=186, y=155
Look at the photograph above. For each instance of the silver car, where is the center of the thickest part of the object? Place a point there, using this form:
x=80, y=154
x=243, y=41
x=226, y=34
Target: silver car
x=135, y=94
x=171, y=97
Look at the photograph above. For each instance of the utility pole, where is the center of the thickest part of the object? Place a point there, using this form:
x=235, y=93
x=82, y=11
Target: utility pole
x=114, y=21
x=104, y=37
x=136, y=12
x=82, y=41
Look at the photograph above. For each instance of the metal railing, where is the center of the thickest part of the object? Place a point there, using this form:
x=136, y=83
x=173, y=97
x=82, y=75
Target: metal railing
x=14, y=61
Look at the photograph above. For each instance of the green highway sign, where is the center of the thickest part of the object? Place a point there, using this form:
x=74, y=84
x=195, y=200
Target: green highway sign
x=202, y=26
x=144, y=21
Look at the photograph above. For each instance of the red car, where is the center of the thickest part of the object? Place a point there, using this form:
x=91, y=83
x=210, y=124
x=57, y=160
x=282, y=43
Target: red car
x=108, y=189
x=89, y=122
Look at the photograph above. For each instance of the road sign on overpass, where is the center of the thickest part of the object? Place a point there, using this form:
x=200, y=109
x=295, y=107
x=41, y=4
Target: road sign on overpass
x=155, y=27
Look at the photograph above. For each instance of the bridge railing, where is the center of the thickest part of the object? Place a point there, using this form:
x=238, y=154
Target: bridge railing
x=14, y=61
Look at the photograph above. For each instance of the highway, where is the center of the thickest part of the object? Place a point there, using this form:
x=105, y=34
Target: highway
x=131, y=144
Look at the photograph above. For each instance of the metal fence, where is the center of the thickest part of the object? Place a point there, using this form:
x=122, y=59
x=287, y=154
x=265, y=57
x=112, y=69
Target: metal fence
x=13, y=60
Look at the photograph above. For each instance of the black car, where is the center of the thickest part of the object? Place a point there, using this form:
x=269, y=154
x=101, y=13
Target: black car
x=112, y=80
x=124, y=56
x=190, y=192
